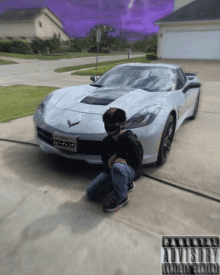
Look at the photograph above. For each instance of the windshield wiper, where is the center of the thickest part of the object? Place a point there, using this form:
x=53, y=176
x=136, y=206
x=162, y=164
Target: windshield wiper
x=96, y=85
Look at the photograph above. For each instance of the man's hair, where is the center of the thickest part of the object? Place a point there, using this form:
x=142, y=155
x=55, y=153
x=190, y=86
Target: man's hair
x=114, y=115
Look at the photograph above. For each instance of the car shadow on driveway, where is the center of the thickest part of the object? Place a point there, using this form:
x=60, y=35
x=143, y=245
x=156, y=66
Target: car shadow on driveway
x=30, y=164
x=50, y=173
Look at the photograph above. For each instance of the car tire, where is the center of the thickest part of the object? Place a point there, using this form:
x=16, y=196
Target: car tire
x=195, y=108
x=166, y=140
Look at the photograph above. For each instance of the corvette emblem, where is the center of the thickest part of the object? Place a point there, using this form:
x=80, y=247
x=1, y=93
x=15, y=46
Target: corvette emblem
x=69, y=123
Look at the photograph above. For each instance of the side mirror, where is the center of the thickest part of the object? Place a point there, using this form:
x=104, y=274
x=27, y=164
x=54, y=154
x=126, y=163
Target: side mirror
x=191, y=86
x=93, y=78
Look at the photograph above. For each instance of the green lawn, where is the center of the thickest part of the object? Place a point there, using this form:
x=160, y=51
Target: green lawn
x=104, y=68
x=6, y=62
x=114, y=63
x=41, y=57
x=20, y=101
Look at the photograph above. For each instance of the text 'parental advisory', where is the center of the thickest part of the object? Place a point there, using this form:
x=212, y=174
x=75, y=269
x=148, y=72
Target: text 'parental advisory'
x=190, y=255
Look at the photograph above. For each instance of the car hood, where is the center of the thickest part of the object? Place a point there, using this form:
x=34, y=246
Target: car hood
x=94, y=100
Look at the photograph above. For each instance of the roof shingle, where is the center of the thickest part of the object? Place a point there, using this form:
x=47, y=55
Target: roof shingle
x=20, y=14
x=198, y=10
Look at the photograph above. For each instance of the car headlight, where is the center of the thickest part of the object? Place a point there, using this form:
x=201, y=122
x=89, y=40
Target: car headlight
x=44, y=102
x=144, y=117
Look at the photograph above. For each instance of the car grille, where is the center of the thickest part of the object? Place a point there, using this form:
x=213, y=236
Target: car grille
x=87, y=147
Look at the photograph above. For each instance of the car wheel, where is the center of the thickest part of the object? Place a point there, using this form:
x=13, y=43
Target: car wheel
x=166, y=141
x=195, y=107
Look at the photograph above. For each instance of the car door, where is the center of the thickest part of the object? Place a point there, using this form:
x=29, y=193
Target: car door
x=182, y=104
x=190, y=94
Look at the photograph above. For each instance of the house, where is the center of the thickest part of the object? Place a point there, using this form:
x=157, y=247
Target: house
x=191, y=31
x=31, y=23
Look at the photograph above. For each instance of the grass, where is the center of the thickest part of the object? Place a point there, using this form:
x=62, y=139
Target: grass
x=64, y=56
x=104, y=68
x=20, y=101
x=114, y=63
x=6, y=62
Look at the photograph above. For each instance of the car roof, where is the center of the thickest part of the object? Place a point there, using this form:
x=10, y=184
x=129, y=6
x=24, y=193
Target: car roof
x=159, y=65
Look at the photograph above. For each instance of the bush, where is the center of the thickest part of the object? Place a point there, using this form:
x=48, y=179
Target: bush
x=151, y=56
x=49, y=44
x=56, y=43
x=38, y=45
x=5, y=46
x=105, y=51
x=16, y=46
x=21, y=47
x=74, y=48
x=94, y=50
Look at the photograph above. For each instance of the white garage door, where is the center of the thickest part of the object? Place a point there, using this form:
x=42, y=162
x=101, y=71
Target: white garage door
x=192, y=44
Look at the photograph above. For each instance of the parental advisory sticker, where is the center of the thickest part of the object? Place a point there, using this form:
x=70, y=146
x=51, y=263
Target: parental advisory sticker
x=190, y=255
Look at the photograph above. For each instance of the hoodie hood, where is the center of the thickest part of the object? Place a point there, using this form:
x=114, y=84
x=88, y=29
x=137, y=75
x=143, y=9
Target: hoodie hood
x=125, y=135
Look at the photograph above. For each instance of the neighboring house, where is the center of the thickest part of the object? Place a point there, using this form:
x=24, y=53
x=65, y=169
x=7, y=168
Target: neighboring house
x=31, y=23
x=192, y=31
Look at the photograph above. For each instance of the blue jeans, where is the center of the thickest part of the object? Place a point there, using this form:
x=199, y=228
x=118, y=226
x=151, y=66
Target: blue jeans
x=121, y=175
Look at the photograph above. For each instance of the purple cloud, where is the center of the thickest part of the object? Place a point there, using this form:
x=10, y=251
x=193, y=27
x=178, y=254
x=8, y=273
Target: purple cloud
x=79, y=16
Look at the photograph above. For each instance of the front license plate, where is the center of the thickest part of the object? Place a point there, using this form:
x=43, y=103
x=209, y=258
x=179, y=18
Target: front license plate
x=65, y=142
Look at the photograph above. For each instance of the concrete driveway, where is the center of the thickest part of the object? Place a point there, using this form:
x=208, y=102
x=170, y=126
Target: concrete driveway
x=194, y=160
x=49, y=227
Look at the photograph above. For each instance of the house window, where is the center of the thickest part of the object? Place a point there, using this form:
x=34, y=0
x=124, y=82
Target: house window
x=40, y=23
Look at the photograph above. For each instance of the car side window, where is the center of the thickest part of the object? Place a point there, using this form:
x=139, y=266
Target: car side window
x=180, y=79
x=184, y=77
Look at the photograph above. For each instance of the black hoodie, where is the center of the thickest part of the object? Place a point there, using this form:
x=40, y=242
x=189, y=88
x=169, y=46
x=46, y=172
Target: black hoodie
x=126, y=147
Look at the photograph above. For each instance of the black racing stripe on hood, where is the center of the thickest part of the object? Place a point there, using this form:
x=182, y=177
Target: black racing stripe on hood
x=97, y=101
x=105, y=96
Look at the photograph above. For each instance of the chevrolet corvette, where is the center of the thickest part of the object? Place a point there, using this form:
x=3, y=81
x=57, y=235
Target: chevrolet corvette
x=157, y=98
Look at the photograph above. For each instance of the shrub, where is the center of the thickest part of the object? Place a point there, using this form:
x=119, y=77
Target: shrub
x=38, y=45
x=74, y=48
x=5, y=46
x=20, y=47
x=49, y=44
x=151, y=56
x=105, y=51
x=56, y=43
x=94, y=50
x=16, y=46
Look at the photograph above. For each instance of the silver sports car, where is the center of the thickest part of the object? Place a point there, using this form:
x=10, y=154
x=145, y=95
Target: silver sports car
x=157, y=98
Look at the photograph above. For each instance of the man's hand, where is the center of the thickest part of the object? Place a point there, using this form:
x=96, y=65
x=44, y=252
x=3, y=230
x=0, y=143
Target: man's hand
x=111, y=160
x=120, y=160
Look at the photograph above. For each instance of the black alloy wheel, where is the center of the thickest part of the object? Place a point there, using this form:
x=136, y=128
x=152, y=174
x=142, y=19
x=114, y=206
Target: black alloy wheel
x=166, y=141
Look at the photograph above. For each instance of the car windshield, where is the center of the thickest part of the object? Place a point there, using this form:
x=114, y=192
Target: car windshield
x=139, y=77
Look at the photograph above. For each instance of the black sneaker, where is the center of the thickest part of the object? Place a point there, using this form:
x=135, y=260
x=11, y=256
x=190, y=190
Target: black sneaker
x=131, y=186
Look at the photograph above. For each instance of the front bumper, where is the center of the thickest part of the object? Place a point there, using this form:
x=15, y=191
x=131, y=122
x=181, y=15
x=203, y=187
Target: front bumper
x=90, y=150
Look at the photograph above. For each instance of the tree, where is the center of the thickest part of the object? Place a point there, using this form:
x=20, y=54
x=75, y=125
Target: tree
x=79, y=42
x=152, y=44
x=148, y=44
x=106, y=40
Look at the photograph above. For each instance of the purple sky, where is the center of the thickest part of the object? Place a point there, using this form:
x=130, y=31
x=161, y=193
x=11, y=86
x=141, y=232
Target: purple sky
x=79, y=16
